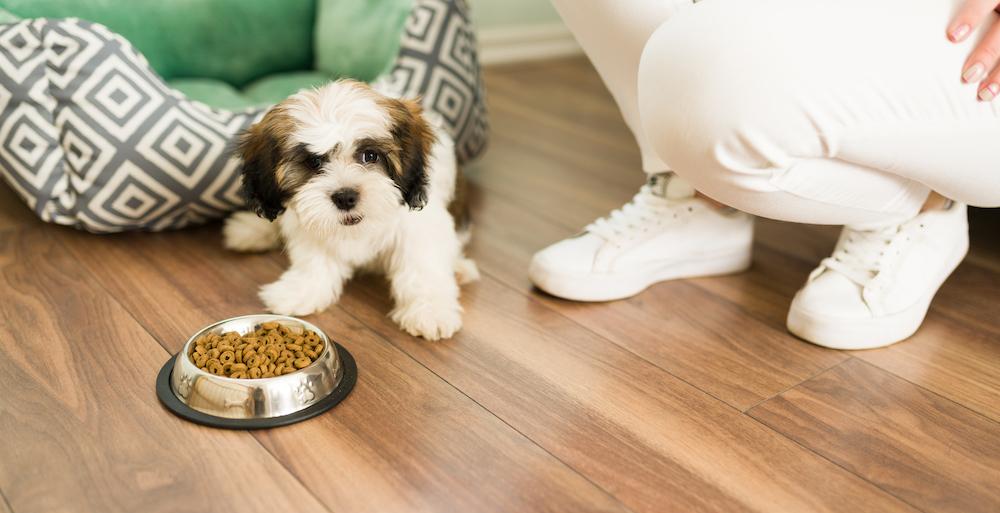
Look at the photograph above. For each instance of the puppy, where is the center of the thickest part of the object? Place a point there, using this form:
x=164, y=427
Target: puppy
x=354, y=179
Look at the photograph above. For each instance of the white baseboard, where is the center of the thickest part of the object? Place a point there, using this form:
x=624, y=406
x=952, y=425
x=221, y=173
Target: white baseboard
x=524, y=43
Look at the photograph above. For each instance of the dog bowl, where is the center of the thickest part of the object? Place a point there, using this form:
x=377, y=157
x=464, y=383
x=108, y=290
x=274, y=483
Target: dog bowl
x=218, y=401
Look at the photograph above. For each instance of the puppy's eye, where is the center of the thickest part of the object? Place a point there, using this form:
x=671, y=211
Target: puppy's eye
x=314, y=162
x=369, y=157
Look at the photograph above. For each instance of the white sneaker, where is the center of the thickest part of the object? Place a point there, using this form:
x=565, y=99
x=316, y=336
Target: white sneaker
x=663, y=233
x=875, y=288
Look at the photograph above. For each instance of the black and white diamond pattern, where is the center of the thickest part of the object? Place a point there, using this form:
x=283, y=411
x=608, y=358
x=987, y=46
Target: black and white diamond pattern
x=183, y=149
x=437, y=60
x=27, y=146
x=20, y=56
x=90, y=136
x=134, y=195
x=118, y=98
x=72, y=47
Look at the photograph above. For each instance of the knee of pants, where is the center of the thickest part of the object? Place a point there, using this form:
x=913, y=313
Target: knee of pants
x=719, y=100
x=707, y=111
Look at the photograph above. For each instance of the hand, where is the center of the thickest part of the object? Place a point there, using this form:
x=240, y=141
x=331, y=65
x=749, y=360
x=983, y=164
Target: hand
x=983, y=65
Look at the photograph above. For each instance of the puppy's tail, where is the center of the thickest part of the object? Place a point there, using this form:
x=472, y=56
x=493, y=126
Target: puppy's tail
x=246, y=232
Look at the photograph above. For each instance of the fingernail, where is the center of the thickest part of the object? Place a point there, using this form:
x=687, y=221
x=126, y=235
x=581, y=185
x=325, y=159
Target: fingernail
x=974, y=73
x=958, y=33
x=988, y=93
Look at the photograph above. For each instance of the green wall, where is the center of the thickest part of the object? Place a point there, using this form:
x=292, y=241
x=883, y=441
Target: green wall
x=491, y=14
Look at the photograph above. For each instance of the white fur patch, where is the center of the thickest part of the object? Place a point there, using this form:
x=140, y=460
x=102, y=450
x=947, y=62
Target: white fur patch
x=337, y=113
x=246, y=232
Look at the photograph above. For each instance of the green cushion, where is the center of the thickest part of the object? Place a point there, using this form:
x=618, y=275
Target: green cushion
x=375, y=28
x=235, y=41
x=266, y=91
x=215, y=93
x=274, y=88
x=8, y=17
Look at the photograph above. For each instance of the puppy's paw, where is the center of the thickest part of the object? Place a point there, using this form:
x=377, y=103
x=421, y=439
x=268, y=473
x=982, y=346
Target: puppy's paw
x=293, y=296
x=466, y=271
x=246, y=232
x=430, y=319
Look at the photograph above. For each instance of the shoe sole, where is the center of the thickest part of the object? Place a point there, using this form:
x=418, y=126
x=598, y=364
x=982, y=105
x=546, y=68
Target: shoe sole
x=610, y=287
x=884, y=331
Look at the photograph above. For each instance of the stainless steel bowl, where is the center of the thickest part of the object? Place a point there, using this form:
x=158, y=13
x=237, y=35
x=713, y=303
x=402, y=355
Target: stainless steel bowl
x=262, y=398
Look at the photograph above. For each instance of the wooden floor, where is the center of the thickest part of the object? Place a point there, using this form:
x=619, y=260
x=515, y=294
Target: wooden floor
x=689, y=397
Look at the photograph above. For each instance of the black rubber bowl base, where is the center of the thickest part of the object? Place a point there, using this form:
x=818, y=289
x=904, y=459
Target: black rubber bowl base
x=166, y=395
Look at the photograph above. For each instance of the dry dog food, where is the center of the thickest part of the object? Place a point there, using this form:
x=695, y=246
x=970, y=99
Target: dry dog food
x=272, y=350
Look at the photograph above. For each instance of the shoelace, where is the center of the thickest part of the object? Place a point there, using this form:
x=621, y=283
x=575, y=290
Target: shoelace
x=644, y=208
x=859, y=253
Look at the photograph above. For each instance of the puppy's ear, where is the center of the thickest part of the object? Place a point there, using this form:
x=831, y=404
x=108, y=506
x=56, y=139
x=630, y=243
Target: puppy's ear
x=262, y=154
x=415, y=138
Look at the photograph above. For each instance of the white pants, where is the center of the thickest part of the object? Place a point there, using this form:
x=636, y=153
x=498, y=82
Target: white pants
x=815, y=111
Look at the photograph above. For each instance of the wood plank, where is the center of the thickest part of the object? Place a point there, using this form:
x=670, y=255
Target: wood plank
x=555, y=189
x=703, y=495
x=548, y=154
x=82, y=428
x=14, y=213
x=656, y=443
x=969, y=296
x=577, y=111
x=984, y=224
x=678, y=326
x=425, y=447
x=4, y=505
x=949, y=358
x=766, y=290
x=925, y=449
x=403, y=441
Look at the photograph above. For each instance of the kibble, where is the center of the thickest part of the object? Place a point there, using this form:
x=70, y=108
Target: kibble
x=273, y=349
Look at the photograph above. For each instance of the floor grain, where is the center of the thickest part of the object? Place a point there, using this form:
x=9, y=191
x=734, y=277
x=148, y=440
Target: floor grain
x=4, y=505
x=655, y=441
x=82, y=428
x=919, y=446
x=955, y=353
x=404, y=440
x=663, y=324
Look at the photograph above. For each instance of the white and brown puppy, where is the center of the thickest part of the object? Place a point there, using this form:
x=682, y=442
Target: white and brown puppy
x=355, y=179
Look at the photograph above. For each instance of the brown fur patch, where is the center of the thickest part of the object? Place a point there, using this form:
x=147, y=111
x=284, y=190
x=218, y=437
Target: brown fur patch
x=414, y=138
x=270, y=134
x=262, y=149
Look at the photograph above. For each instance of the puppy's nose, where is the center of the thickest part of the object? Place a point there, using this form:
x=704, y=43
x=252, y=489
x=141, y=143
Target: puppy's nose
x=345, y=199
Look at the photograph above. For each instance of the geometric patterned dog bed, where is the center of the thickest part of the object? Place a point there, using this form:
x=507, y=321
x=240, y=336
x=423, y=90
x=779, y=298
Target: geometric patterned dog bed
x=92, y=137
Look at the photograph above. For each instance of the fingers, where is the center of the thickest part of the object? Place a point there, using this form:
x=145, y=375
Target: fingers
x=984, y=57
x=981, y=67
x=987, y=52
x=969, y=16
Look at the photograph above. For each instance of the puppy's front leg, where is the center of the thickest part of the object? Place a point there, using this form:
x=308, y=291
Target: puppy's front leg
x=422, y=271
x=312, y=283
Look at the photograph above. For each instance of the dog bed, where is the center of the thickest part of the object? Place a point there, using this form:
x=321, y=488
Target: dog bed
x=92, y=137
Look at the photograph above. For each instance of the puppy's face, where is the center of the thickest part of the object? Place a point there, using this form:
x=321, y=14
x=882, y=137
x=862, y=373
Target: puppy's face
x=339, y=156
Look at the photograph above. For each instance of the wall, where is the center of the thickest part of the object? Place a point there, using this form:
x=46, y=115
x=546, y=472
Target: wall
x=519, y=30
